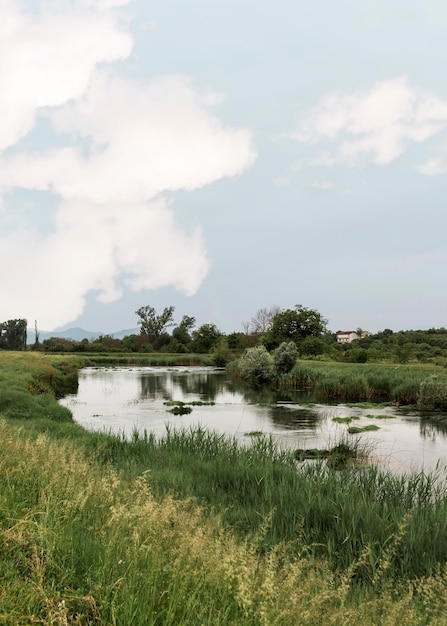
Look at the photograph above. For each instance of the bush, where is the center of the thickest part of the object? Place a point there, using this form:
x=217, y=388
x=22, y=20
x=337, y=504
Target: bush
x=284, y=357
x=358, y=355
x=221, y=354
x=432, y=394
x=255, y=365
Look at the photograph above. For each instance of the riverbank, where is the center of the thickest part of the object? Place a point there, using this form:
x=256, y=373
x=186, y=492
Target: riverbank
x=194, y=529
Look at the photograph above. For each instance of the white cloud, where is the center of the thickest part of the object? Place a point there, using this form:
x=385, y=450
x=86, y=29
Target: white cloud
x=433, y=167
x=120, y=145
x=47, y=60
x=376, y=125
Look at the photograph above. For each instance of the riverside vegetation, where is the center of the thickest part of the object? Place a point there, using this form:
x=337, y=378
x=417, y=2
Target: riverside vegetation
x=193, y=528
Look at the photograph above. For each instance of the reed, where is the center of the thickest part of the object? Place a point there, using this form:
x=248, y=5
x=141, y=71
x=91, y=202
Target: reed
x=362, y=382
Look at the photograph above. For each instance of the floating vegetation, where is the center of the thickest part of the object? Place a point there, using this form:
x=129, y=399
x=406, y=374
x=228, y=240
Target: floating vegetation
x=381, y=417
x=345, y=420
x=180, y=410
x=254, y=433
x=192, y=403
x=354, y=430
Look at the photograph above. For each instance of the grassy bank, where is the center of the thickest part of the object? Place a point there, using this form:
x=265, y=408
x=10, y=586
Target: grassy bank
x=193, y=529
x=362, y=382
x=147, y=359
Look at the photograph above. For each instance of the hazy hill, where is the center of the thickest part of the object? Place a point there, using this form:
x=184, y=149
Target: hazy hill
x=77, y=334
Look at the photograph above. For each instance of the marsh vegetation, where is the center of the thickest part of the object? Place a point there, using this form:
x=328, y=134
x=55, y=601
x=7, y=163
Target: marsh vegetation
x=195, y=528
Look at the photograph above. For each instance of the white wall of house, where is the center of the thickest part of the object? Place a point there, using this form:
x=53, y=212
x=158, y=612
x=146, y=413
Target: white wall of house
x=346, y=336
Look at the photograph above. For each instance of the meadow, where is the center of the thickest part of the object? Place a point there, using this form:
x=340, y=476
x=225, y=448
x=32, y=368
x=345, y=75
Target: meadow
x=193, y=528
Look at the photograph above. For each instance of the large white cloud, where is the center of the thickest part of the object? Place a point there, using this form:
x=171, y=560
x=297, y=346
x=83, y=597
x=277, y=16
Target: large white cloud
x=145, y=140
x=119, y=145
x=47, y=59
x=375, y=125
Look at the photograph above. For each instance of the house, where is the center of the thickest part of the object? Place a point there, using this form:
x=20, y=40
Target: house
x=347, y=336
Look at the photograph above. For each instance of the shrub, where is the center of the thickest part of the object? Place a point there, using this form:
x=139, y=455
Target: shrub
x=432, y=394
x=255, y=365
x=221, y=354
x=285, y=357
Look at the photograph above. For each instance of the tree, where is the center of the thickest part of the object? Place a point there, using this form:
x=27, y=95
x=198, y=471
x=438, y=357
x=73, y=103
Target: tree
x=152, y=326
x=182, y=332
x=13, y=334
x=205, y=338
x=263, y=318
x=294, y=325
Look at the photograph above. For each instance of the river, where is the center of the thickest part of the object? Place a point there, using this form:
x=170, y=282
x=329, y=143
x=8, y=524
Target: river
x=125, y=399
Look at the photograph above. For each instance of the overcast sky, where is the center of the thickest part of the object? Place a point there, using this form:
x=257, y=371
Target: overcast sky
x=223, y=156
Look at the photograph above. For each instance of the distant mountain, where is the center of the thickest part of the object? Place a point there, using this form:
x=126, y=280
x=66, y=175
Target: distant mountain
x=124, y=333
x=77, y=334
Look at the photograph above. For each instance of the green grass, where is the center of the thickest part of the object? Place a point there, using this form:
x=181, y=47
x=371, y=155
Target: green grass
x=368, y=384
x=194, y=528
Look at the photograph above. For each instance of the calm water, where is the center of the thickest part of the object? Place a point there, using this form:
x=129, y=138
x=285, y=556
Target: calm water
x=127, y=398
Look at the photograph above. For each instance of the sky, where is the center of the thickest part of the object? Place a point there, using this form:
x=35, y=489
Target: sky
x=223, y=156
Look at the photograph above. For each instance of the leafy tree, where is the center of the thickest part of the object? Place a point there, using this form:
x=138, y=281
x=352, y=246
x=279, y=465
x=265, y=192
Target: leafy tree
x=240, y=341
x=205, y=338
x=313, y=346
x=182, y=333
x=152, y=326
x=13, y=334
x=294, y=325
x=106, y=343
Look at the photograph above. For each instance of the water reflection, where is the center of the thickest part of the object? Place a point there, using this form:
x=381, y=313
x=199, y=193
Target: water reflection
x=124, y=399
x=153, y=386
x=432, y=427
x=295, y=417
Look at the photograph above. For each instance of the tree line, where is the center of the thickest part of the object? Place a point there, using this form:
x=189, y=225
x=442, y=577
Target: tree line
x=305, y=327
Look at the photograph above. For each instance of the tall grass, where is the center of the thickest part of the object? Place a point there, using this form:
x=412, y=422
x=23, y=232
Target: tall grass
x=361, y=382
x=83, y=545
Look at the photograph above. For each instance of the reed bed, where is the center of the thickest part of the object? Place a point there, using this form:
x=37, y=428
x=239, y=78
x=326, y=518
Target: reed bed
x=399, y=384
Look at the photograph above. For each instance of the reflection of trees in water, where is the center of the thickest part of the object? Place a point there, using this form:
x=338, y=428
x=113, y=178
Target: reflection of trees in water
x=291, y=417
x=206, y=385
x=154, y=385
x=295, y=418
x=430, y=426
x=199, y=385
